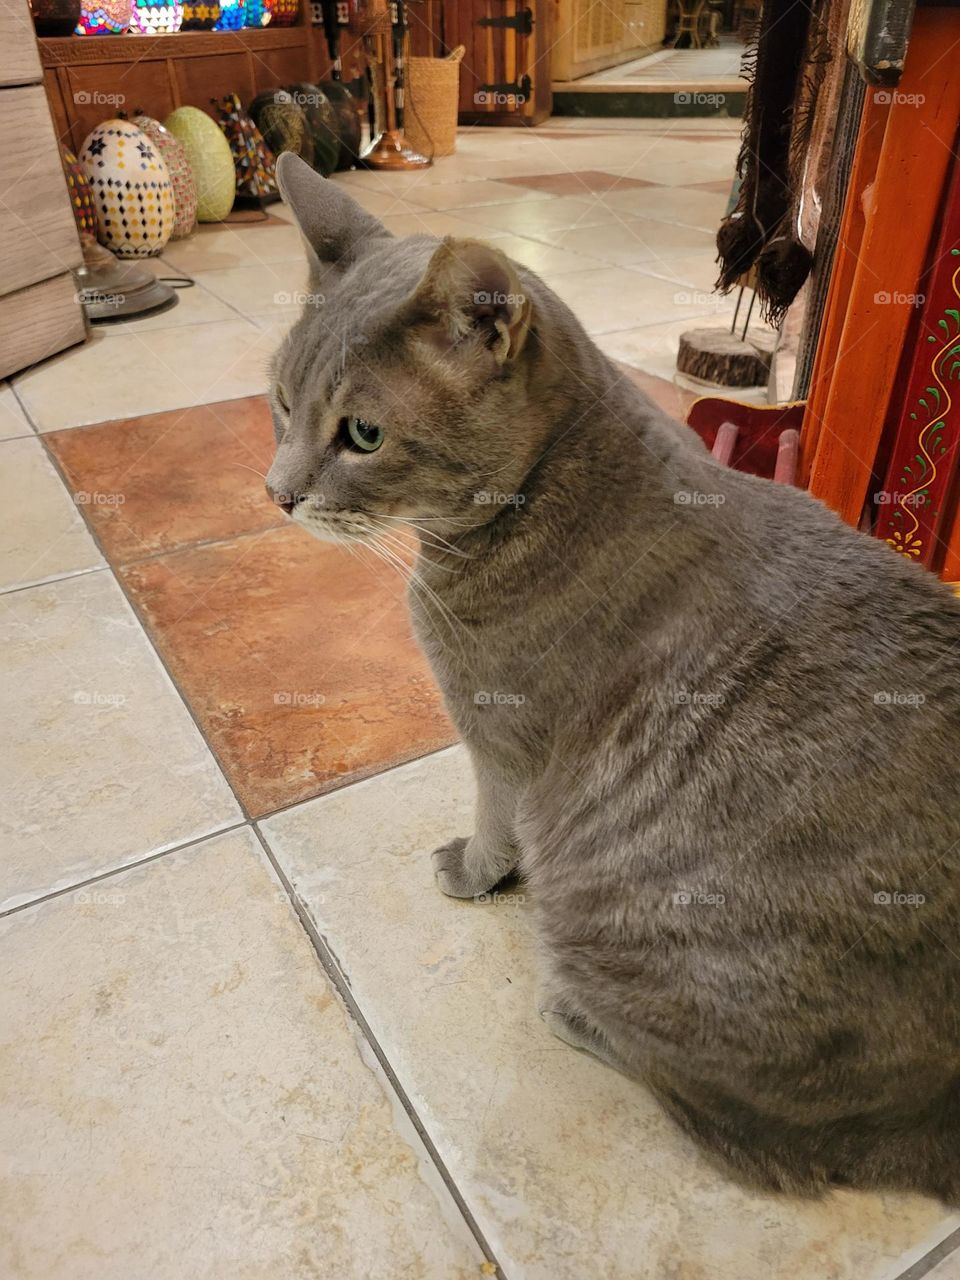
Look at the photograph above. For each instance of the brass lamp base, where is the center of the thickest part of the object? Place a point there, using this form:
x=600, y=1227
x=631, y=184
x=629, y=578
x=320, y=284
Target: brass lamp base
x=390, y=150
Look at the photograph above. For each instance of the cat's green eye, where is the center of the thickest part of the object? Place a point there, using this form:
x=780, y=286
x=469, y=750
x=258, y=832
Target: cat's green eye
x=363, y=435
x=282, y=397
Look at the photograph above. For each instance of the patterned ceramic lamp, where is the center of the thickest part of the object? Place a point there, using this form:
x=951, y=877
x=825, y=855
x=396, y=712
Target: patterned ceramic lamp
x=132, y=192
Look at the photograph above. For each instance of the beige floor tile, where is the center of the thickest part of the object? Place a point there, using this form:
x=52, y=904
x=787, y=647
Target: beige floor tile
x=536, y=217
x=697, y=271
x=119, y=375
x=679, y=205
x=186, y=1096
x=13, y=421
x=101, y=763
x=432, y=222
x=570, y=1169
x=653, y=347
x=462, y=195
x=544, y=258
x=610, y=298
x=270, y=288
x=42, y=533
x=625, y=241
x=194, y=306
x=235, y=246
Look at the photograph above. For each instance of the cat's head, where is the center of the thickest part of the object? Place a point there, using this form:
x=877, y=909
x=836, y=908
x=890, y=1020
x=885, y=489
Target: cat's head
x=405, y=389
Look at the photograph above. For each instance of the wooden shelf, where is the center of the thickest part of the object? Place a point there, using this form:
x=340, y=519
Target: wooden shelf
x=63, y=51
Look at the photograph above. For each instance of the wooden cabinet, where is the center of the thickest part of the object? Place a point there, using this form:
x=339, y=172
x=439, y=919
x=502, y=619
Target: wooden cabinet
x=39, y=245
x=591, y=36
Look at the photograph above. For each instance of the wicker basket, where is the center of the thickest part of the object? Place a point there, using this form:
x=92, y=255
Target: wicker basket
x=432, y=94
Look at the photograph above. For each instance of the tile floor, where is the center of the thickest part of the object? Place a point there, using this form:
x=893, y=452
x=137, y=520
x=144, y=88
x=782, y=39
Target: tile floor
x=241, y=1034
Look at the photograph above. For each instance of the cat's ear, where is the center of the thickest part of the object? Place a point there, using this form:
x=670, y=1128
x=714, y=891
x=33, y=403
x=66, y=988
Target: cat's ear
x=334, y=226
x=471, y=287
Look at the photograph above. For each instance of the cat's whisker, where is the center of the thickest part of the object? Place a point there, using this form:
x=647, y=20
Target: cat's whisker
x=402, y=547
x=253, y=469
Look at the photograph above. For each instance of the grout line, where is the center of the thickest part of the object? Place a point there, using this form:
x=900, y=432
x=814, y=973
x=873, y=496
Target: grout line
x=356, y=780
x=54, y=577
x=337, y=977
x=923, y=1266
x=148, y=636
x=201, y=543
x=126, y=866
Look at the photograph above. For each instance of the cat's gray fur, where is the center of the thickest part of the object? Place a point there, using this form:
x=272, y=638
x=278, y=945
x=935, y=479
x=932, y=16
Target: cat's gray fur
x=721, y=730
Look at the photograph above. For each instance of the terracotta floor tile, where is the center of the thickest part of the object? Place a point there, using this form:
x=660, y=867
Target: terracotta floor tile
x=297, y=659
x=577, y=183
x=163, y=480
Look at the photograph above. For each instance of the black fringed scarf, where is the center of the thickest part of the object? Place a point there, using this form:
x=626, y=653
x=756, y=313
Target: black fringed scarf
x=785, y=61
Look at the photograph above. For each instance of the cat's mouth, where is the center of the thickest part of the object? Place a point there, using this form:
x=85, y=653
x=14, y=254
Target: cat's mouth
x=346, y=526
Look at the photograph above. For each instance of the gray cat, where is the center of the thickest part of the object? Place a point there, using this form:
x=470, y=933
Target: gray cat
x=714, y=728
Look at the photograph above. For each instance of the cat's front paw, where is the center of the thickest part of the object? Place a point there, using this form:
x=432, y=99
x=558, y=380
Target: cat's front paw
x=460, y=875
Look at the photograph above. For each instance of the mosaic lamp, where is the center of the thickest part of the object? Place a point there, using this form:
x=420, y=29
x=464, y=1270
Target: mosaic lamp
x=285, y=12
x=132, y=192
x=256, y=13
x=103, y=17
x=81, y=195
x=252, y=158
x=156, y=17
x=211, y=162
x=231, y=15
x=181, y=175
x=202, y=16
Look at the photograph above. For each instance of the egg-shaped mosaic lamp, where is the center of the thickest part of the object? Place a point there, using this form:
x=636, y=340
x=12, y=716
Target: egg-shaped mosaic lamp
x=200, y=16
x=285, y=12
x=155, y=17
x=132, y=192
x=210, y=161
x=181, y=175
x=231, y=15
x=103, y=17
x=256, y=13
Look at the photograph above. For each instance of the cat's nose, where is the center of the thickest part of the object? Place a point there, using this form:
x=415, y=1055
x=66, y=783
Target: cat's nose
x=285, y=501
